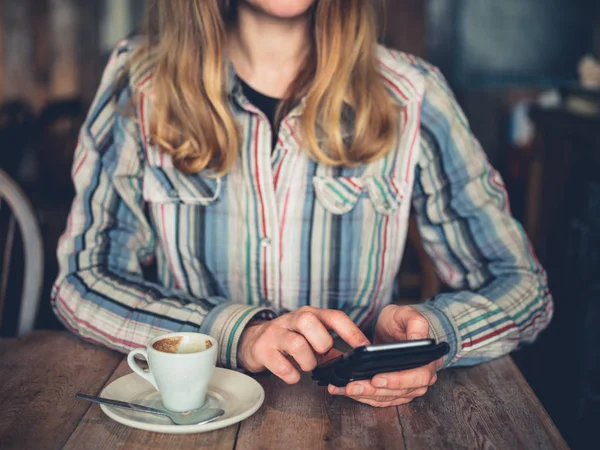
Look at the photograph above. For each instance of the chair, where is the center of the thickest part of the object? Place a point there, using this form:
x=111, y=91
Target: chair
x=19, y=212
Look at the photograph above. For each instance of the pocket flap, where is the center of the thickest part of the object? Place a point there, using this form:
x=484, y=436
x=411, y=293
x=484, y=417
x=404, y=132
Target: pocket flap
x=169, y=185
x=386, y=193
x=338, y=194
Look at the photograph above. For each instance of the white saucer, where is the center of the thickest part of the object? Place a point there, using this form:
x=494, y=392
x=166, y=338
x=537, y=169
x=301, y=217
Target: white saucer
x=237, y=394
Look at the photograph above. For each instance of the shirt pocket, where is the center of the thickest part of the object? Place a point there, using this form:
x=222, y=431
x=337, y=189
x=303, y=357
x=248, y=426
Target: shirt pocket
x=339, y=195
x=169, y=185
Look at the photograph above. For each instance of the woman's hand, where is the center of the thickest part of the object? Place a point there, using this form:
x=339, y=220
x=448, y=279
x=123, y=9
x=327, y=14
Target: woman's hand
x=302, y=335
x=395, y=323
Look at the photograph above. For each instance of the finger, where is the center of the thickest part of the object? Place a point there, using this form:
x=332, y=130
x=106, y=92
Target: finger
x=366, y=389
x=377, y=393
x=415, y=324
x=387, y=395
x=279, y=365
x=331, y=354
x=386, y=399
x=382, y=404
x=297, y=347
x=414, y=393
x=309, y=325
x=406, y=379
x=334, y=390
x=418, y=393
x=343, y=326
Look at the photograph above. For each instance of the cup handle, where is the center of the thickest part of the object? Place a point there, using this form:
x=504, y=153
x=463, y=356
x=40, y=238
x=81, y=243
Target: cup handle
x=145, y=374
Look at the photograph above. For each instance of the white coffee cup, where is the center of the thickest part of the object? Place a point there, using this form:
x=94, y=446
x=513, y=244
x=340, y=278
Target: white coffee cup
x=181, y=366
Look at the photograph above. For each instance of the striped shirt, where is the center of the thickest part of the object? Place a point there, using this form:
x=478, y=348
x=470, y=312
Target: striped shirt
x=281, y=231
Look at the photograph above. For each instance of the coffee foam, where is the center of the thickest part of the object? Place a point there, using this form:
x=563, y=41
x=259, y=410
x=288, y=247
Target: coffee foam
x=181, y=345
x=168, y=345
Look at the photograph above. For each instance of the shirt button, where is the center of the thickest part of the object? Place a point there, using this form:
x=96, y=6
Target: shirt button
x=265, y=242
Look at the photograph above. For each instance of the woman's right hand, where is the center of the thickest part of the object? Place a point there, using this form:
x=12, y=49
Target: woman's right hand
x=302, y=334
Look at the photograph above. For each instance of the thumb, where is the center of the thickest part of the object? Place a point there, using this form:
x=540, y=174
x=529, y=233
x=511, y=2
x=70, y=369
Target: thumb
x=415, y=325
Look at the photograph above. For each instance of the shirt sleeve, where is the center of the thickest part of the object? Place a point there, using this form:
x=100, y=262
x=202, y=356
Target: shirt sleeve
x=501, y=297
x=100, y=293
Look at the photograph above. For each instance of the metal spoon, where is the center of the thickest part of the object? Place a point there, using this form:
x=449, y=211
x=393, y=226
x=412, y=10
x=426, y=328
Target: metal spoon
x=194, y=417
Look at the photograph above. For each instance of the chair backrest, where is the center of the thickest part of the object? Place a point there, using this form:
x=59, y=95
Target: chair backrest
x=23, y=216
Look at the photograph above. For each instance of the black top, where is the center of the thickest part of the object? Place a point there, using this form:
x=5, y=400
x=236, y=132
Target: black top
x=268, y=105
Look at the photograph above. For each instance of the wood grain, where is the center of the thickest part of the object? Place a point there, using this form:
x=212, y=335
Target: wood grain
x=97, y=431
x=487, y=406
x=305, y=416
x=39, y=377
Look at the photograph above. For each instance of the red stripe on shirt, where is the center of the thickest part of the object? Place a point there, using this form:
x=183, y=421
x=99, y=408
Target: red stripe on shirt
x=144, y=80
x=76, y=171
x=401, y=76
x=262, y=203
x=88, y=325
x=412, y=146
x=545, y=311
x=281, y=228
x=287, y=124
x=276, y=178
x=349, y=180
x=396, y=88
x=489, y=335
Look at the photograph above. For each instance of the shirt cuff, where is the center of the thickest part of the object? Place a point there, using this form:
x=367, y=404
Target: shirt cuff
x=440, y=329
x=226, y=323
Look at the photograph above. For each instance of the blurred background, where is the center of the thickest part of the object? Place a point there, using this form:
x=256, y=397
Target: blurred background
x=525, y=71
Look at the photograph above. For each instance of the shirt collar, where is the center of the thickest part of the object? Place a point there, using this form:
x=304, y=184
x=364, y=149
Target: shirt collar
x=234, y=91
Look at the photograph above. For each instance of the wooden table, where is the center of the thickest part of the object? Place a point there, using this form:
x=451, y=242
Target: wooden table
x=489, y=406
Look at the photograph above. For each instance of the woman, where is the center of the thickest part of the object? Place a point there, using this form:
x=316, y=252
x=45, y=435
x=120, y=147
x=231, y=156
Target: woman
x=266, y=155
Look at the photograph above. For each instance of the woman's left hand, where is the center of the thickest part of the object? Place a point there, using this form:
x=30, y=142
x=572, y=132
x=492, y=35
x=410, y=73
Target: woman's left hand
x=395, y=323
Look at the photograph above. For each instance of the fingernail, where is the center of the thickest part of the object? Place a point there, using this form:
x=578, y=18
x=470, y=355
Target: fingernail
x=415, y=337
x=335, y=390
x=357, y=390
x=379, y=382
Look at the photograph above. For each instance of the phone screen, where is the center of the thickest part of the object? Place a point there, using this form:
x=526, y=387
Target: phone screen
x=398, y=345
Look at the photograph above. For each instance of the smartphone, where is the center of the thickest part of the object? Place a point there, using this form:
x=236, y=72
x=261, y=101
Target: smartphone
x=363, y=363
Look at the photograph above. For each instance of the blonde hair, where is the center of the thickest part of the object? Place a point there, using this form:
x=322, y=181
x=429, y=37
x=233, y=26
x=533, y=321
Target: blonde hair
x=339, y=81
